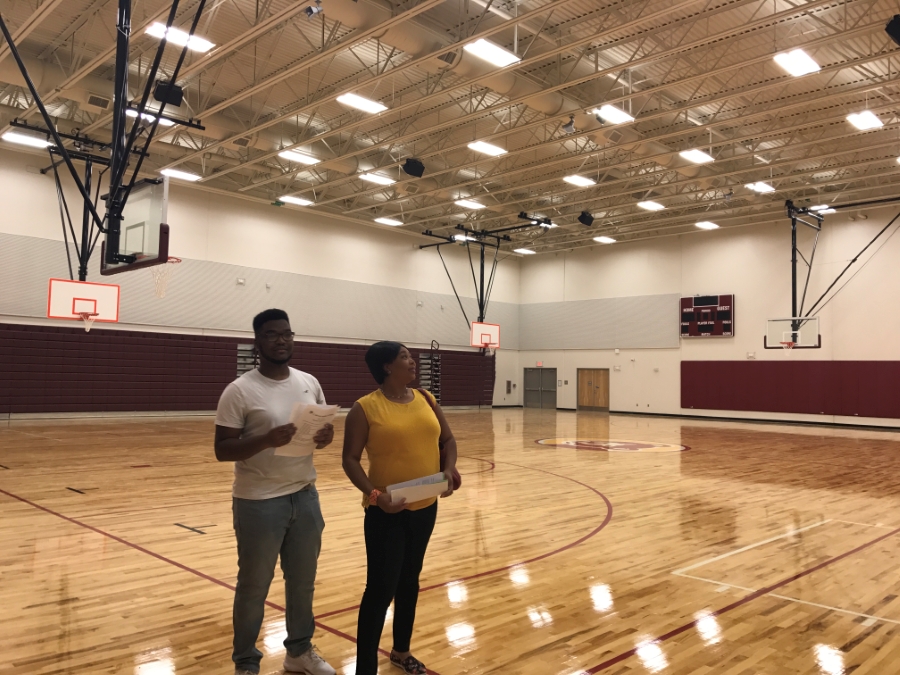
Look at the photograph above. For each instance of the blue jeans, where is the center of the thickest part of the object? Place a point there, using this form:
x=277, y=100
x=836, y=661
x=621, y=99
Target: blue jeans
x=292, y=527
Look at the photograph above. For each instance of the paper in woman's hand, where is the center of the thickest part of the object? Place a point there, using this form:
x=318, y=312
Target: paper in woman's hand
x=309, y=420
x=418, y=489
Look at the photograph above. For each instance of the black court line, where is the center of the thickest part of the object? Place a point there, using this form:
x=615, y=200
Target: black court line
x=74, y=490
x=82, y=490
x=194, y=529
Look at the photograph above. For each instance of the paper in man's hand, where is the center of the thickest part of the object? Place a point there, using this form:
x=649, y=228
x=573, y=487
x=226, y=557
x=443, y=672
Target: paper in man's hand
x=309, y=420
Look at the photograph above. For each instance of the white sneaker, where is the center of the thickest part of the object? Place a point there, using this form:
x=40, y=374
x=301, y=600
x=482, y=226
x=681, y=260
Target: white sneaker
x=310, y=663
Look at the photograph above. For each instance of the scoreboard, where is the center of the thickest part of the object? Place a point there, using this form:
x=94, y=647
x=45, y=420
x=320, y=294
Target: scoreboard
x=707, y=316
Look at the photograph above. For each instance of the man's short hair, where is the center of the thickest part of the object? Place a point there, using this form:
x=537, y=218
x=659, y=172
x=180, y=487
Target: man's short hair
x=268, y=315
x=381, y=354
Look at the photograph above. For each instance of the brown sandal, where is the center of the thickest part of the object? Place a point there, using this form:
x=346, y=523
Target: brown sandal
x=410, y=665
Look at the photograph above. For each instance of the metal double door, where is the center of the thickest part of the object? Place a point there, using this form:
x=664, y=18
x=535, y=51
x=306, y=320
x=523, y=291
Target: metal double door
x=540, y=388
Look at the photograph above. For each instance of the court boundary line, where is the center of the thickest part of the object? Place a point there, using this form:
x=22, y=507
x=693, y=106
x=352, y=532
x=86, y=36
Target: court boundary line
x=319, y=624
x=767, y=590
x=748, y=547
x=792, y=599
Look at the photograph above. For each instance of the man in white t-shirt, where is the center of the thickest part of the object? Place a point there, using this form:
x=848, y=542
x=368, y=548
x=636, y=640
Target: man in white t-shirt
x=275, y=502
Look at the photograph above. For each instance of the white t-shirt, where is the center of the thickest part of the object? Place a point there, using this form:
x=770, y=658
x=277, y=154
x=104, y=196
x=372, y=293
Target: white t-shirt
x=256, y=404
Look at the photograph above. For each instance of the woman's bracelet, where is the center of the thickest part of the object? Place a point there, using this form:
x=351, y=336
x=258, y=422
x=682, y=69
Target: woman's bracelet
x=373, y=497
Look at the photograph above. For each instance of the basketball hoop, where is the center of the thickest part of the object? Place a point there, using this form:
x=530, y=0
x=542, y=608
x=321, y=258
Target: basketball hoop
x=787, y=345
x=161, y=275
x=88, y=318
x=489, y=350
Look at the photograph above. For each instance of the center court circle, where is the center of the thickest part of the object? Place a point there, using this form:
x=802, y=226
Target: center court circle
x=606, y=445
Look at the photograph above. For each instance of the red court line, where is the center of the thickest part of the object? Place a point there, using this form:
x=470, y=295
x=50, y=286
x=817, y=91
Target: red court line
x=175, y=563
x=609, y=512
x=742, y=601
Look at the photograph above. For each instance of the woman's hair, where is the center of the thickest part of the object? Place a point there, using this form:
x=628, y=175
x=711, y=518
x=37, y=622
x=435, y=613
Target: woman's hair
x=381, y=354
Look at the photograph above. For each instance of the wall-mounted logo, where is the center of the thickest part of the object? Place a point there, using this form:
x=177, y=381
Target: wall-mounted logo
x=606, y=445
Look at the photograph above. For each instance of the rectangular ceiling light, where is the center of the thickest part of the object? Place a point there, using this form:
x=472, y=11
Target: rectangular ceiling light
x=486, y=148
x=760, y=187
x=147, y=117
x=493, y=54
x=523, y=251
x=651, y=206
x=361, y=103
x=463, y=237
x=706, y=225
x=604, y=240
x=296, y=201
x=377, y=178
x=25, y=139
x=298, y=157
x=179, y=38
x=613, y=115
x=389, y=221
x=580, y=181
x=824, y=211
x=180, y=175
x=797, y=62
x=864, y=120
x=820, y=207
x=696, y=156
x=468, y=204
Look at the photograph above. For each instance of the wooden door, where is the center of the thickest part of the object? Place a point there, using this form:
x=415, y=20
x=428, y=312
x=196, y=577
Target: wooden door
x=593, y=389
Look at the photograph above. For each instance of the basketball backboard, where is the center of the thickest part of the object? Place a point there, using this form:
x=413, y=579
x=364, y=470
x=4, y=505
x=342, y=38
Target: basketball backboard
x=145, y=233
x=793, y=333
x=83, y=301
x=485, y=335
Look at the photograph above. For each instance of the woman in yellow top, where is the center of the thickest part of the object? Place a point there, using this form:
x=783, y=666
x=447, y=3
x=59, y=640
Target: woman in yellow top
x=404, y=433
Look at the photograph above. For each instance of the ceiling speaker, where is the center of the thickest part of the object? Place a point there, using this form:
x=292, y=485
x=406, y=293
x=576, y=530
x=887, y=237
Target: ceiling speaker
x=413, y=167
x=585, y=218
x=168, y=93
x=893, y=28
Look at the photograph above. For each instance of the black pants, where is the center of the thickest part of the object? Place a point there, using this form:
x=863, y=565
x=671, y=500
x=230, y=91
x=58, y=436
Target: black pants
x=395, y=549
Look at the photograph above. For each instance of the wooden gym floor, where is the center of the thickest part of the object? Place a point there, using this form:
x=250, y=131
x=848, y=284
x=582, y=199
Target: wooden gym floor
x=757, y=549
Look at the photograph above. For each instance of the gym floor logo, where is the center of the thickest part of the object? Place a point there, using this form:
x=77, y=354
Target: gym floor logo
x=607, y=445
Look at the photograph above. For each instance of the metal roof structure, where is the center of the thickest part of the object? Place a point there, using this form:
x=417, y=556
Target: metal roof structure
x=694, y=74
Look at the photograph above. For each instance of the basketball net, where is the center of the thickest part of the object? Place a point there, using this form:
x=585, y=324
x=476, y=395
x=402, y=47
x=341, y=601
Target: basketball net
x=88, y=318
x=162, y=274
x=787, y=345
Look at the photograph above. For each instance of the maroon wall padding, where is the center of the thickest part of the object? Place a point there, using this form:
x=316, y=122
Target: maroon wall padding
x=55, y=369
x=848, y=388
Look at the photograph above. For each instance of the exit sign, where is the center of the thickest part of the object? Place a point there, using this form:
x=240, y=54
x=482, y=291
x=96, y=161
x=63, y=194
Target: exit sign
x=539, y=364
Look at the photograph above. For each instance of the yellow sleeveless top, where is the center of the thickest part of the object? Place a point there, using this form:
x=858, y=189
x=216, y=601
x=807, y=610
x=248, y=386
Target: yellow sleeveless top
x=403, y=441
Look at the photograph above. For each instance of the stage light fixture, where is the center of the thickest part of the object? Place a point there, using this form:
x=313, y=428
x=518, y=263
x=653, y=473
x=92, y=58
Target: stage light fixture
x=493, y=54
x=181, y=175
x=580, y=181
x=413, y=167
x=760, y=187
x=312, y=11
x=586, y=219
x=469, y=204
x=25, y=139
x=487, y=148
x=611, y=114
x=298, y=157
x=797, y=62
x=361, y=103
x=179, y=38
x=865, y=120
x=696, y=156
x=569, y=127
x=296, y=201
x=377, y=178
